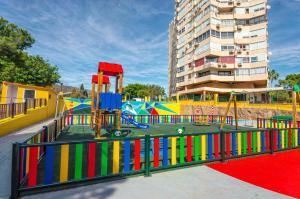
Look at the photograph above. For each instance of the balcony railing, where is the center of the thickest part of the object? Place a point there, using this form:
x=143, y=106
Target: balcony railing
x=17, y=106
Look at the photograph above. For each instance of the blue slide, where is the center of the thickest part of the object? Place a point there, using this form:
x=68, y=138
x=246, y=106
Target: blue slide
x=131, y=121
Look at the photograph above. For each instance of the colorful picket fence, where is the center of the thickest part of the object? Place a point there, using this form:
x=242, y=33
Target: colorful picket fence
x=65, y=162
x=152, y=119
x=47, y=134
x=272, y=123
x=41, y=163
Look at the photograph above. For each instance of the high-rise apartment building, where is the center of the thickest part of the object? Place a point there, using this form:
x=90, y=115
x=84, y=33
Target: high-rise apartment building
x=172, y=58
x=222, y=46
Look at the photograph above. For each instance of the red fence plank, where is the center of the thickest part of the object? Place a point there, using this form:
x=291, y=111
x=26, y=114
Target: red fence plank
x=216, y=146
x=137, y=155
x=156, y=153
x=189, y=148
x=267, y=140
x=33, y=164
x=290, y=138
x=91, y=160
x=249, y=142
x=228, y=144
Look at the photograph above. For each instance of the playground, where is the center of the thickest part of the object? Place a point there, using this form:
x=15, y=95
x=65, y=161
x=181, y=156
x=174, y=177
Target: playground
x=114, y=140
x=86, y=133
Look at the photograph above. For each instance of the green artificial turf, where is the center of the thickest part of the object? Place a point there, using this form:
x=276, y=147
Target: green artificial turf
x=86, y=133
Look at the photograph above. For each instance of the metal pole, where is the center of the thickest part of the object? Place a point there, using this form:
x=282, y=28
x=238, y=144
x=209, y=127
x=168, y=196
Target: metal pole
x=15, y=171
x=147, y=155
x=235, y=113
x=222, y=143
x=271, y=133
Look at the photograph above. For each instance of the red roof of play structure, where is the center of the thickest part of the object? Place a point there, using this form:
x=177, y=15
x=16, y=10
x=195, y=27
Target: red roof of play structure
x=95, y=79
x=110, y=69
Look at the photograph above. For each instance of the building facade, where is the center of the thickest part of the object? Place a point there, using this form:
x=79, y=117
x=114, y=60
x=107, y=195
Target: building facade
x=172, y=58
x=221, y=46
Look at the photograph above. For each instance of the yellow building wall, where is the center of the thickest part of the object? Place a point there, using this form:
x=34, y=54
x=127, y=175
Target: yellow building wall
x=33, y=116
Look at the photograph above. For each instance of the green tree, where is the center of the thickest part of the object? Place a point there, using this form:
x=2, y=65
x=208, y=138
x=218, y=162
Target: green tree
x=142, y=90
x=16, y=65
x=290, y=80
x=273, y=75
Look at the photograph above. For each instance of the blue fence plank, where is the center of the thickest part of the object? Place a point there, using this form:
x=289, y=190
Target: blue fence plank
x=49, y=165
x=165, y=151
x=127, y=156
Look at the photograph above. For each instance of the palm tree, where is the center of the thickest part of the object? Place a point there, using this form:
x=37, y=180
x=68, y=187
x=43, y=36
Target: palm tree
x=273, y=75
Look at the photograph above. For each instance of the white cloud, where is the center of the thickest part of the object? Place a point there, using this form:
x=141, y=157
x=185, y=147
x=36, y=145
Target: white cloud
x=75, y=35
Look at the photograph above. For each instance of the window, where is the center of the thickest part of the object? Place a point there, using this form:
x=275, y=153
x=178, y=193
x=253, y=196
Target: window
x=258, y=58
x=203, y=74
x=240, y=60
x=203, y=36
x=29, y=94
x=256, y=33
x=211, y=60
x=254, y=59
x=180, y=79
x=257, y=20
x=224, y=73
x=240, y=10
x=227, y=35
x=180, y=69
x=258, y=45
x=227, y=22
x=215, y=33
x=259, y=70
x=201, y=49
x=227, y=47
x=181, y=31
x=257, y=8
x=242, y=71
x=251, y=71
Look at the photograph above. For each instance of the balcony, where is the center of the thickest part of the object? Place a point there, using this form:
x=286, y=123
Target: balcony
x=223, y=4
x=250, y=15
x=214, y=77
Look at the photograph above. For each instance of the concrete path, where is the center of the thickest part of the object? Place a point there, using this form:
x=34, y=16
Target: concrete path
x=6, y=154
x=189, y=183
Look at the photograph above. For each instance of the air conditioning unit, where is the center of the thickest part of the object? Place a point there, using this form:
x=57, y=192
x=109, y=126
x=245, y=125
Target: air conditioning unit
x=231, y=52
x=238, y=3
x=218, y=26
x=224, y=65
x=230, y=2
x=248, y=53
x=239, y=28
x=239, y=51
x=240, y=65
x=219, y=65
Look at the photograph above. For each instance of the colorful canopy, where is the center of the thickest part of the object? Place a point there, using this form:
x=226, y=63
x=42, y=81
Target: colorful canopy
x=95, y=79
x=110, y=69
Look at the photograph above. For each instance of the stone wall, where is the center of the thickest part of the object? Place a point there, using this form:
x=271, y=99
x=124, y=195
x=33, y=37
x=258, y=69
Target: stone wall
x=243, y=113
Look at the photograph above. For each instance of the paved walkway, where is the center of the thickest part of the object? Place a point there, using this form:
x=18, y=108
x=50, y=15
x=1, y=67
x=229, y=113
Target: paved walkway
x=6, y=154
x=196, y=182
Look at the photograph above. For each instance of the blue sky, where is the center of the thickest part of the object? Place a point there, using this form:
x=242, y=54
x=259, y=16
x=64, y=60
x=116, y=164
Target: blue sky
x=76, y=34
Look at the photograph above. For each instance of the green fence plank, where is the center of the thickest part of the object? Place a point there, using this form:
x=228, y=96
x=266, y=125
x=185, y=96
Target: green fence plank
x=254, y=141
x=293, y=138
x=244, y=143
x=85, y=119
x=104, y=158
x=78, y=161
x=196, y=147
x=286, y=138
x=181, y=143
